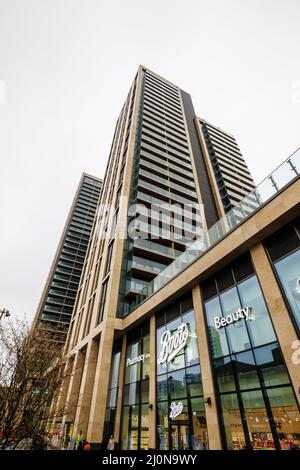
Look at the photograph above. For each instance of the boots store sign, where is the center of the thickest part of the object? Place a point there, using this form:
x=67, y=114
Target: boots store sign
x=175, y=409
x=172, y=343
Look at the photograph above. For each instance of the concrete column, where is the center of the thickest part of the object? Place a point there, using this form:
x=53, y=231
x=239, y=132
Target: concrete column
x=59, y=401
x=73, y=389
x=99, y=394
x=152, y=385
x=117, y=426
x=86, y=387
x=279, y=313
x=211, y=411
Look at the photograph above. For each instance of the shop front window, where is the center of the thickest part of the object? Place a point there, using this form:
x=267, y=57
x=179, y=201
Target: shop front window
x=111, y=404
x=283, y=248
x=286, y=416
x=257, y=420
x=288, y=270
x=218, y=339
x=232, y=422
x=135, y=406
x=260, y=330
x=252, y=382
x=237, y=334
x=181, y=422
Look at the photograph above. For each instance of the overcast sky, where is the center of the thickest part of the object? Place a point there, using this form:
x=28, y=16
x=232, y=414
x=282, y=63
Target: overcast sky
x=65, y=69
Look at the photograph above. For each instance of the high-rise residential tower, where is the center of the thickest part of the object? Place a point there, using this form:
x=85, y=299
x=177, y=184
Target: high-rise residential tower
x=154, y=356
x=57, y=301
x=228, y=170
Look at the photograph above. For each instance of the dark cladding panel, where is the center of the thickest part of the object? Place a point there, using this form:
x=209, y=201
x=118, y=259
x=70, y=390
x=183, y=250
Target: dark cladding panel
x=210, y=209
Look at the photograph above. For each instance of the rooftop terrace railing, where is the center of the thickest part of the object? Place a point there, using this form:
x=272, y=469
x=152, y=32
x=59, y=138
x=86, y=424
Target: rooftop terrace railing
x=282, y=176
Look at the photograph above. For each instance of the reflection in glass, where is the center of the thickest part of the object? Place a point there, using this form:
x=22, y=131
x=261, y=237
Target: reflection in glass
x=145, y=391
x=237, y=333
x=270, y=360
x=246, y=370
x=232, y=421
x=191, y=350
x=177, y=384
x=162, y=387
x=131, y=394
x=125, y=427
x=257, y=421
x=144, y=428
x=162, y=426
x=288, y=270
x=217, y=337
x=112, y=397
x=114, y=370
x=261, y=329
x=224, y=374
x=199, y=439
x=286, y=416
x=193, y=380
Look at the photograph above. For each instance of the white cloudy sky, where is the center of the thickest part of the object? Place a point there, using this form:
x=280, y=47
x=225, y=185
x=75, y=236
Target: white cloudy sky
x=65, y=69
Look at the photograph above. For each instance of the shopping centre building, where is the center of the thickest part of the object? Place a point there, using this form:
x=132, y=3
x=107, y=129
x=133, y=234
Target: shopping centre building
x=185, y=341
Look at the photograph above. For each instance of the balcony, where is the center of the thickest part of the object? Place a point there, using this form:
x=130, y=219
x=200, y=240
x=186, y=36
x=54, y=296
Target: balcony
x=145, y=269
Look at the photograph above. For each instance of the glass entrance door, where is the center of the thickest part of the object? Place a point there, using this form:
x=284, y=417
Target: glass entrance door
x=180, y=436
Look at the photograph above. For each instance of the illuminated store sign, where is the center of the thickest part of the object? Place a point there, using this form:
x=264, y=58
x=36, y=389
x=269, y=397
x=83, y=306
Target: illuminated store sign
x=241, y=313
x=175, y=409
x=172, y=344
x=134, y=360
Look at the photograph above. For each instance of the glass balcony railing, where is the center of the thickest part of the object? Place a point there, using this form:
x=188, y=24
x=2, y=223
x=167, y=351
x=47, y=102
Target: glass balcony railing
x=149, y=265
x=164, y=131
x=135, y=285
x=166, y=172
x=165, y=148
x=167, y=183
x=173, y=207
x=59, y=301
x=153, y=246
x=164, y=153
x=287, y=172
x=62, y=293
x=165, y=161
x=165, y=141
x=168, y=194
x=164, y=125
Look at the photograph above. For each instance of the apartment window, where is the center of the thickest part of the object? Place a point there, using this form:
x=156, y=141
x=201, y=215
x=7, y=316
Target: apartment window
x=89, y=314
x=102, y=300
x=109, y=257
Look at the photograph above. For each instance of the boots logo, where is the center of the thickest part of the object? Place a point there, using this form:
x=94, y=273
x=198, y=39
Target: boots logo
x=175, y=409
x=171, y=344
x=241, y=313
